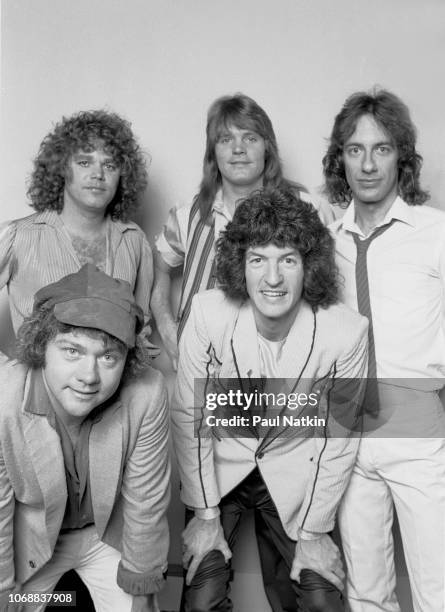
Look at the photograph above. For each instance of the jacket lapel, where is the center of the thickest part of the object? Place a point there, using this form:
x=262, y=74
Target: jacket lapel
x=45, y=451
x=245, y=344
x=105, y=448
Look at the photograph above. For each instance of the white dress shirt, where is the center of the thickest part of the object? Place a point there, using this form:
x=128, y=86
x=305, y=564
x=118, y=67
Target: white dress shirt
x=406, y=274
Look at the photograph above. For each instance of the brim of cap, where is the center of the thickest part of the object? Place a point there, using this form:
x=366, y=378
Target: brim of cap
x=96, y=313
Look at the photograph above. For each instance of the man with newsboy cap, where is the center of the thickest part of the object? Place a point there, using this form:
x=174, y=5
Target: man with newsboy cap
x=84, y=473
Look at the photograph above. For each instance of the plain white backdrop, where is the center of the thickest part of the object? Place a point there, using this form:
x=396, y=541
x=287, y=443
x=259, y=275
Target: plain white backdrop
x=160, y=63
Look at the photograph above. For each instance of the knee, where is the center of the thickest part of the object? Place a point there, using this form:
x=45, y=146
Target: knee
x=320, y=601
x=318, y=594
x=209, y=588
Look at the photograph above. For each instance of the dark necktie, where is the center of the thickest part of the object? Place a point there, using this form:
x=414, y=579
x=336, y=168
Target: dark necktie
x=370, y=402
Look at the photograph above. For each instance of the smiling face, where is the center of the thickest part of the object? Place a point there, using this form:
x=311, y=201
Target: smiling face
x=274, y=283
x=370, y=159
x=82, y=372
x=240, y=156
x=92, y=181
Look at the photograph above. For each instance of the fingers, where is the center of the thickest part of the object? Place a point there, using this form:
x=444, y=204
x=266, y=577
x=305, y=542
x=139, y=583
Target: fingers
x=295, y=571
x=334, y=579
x=194, y=564
x=223, y=547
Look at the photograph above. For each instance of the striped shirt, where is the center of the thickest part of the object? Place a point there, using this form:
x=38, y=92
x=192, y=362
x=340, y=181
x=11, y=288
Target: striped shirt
x=37, y=250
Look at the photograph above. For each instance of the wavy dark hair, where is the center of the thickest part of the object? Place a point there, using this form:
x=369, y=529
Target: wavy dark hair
x=41, y=327
x=244, y=113
x=278, y=217
x=85, y=131
x=393, y=115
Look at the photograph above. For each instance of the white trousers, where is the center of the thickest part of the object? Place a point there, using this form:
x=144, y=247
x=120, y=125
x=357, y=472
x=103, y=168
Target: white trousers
x=95, y=562
x=408, y=473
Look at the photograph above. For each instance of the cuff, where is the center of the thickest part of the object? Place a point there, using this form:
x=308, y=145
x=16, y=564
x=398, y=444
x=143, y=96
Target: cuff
x=303, y=534
x=207, y=514
x=136, y=583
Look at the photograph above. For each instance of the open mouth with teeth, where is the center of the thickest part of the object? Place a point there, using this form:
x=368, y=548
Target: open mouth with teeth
x=274, y=294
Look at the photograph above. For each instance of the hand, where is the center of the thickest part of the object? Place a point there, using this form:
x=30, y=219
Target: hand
x=169, y=337
x=199, y=538
x=321, y=556
x=145, y=603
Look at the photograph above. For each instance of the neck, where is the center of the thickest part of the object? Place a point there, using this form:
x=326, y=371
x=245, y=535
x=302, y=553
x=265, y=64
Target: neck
x=233, y=193
x=369, y=216
x=86, y=224
x=274, y=329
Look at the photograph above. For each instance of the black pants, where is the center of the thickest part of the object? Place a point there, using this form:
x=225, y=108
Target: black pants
x=209, y=590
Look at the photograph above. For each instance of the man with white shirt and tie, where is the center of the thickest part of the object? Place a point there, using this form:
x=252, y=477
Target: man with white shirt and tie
x=391, y=254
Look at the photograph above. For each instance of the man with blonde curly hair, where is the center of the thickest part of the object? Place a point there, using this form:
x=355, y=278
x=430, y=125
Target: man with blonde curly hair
x=87, y=176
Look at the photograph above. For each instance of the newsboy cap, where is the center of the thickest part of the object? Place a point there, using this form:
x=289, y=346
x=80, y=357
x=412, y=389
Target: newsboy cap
x=91, y=298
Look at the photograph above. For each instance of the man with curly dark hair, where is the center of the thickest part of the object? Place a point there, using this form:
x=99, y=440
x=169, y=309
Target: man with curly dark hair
x=84, y=473
x=391, y=256
x=241, y=155
x=88, y=175
x=273, y=328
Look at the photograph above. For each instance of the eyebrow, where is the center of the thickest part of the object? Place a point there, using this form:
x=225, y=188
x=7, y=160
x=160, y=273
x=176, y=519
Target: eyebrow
x=377, y=144
x=108, y=348
x=285, y=254
x=89, y=155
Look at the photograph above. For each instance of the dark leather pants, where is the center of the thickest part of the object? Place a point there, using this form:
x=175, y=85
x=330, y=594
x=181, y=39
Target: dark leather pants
x=209, y=590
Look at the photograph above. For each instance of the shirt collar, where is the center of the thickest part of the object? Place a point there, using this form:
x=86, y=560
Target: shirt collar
x=400, y=211
x=38, y=400
x=219, y=205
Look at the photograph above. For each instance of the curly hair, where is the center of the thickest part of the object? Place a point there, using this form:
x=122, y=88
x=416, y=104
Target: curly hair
x=41, y=327
x=278, y=217
x=244, y=113
x=393, y=115
x=86, y=131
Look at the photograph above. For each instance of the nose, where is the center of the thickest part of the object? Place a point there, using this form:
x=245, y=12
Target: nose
x=273, y=276
x=238, y=145
x=87, y=372
x=368, y=162
x=97, y=171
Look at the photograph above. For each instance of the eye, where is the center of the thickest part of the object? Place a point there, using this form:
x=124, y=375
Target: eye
x=83, y=163
x=353, y=151
x=290, y=261
x=224, y=139
x=251, y=138
x=255, y=260
x=111, y=166
x=110, y=358
x=383, y=149
x=71, y=352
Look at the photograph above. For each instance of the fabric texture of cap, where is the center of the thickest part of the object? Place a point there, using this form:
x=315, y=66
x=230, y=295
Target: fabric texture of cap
x=90, y=298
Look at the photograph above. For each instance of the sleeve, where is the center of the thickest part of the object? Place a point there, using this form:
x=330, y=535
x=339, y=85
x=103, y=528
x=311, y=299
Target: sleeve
x=336, y=444
x=171, y=242
x=191, y=434
x=144, y=278
x=146, y=495
x=7, y=237
x=7, y=504
x=142, y=291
